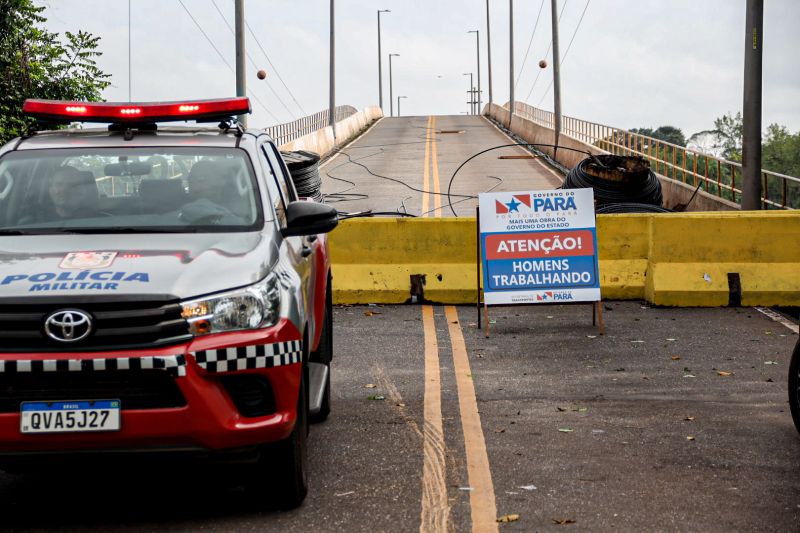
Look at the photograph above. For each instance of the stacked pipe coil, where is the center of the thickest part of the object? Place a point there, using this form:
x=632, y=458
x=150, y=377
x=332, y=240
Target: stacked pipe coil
x=630, y=207
x=616, y=179
x=304, y=168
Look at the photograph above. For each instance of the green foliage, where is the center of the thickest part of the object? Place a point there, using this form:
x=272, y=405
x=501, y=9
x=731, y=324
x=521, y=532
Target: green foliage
x=780, y=151
x=669, y=134
x=35, y=63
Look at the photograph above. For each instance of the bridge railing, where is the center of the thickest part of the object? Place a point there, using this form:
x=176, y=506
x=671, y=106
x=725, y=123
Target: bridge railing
x=718, y=176
x=289, y=131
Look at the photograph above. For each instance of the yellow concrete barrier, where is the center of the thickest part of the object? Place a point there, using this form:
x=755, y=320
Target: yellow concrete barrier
x=374, y=259
x=690, y=257
x=670, y=259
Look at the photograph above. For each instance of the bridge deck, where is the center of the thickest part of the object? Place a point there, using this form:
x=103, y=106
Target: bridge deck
x=415, y=154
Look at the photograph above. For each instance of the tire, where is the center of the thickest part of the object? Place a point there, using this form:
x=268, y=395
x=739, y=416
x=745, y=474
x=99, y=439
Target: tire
x=324, y=355
x=324, y=352
x=280, y=476
x=794, y=386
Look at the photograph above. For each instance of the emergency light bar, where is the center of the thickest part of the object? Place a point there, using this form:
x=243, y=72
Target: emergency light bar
x=136, y=112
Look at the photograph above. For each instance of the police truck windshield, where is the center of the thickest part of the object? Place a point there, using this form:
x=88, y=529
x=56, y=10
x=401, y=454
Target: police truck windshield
x=128, y=190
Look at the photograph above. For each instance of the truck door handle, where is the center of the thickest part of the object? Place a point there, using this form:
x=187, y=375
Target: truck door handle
x=306, y=251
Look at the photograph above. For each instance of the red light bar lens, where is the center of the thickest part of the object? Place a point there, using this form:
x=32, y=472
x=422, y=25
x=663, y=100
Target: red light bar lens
x=136, y=112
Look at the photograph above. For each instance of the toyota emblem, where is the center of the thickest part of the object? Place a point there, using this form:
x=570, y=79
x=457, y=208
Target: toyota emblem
x=68, y=325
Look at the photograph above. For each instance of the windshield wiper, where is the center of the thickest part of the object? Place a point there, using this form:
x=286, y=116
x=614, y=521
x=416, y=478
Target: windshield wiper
x=127, y=229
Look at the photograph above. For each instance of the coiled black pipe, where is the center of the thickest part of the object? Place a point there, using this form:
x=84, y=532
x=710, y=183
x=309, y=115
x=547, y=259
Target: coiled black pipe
x=304, y=168
x=616, y=179
x=630, y=207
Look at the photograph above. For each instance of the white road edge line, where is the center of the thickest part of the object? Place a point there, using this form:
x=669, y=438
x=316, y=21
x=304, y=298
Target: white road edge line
x=794, y=328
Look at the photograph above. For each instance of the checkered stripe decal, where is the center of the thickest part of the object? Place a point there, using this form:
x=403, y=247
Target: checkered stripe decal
x=247, y=357
x=175, y=364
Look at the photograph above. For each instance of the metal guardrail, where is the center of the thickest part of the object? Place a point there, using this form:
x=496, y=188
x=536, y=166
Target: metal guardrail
x=284, y=133
x=718, y=176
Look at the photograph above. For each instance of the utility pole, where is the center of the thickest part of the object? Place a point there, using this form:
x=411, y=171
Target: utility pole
x=398, y=105
x=489, y=49
x=332, y=99
x=478, y=50
x=391, y=103
x=751, y=142
x=380, y=60
x=241, y=67
x=511, y=104
x=556, y=75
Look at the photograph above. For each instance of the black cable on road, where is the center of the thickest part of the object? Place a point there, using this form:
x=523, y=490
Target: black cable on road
x=453, y=177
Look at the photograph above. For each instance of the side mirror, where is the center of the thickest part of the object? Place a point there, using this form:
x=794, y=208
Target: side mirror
x=309, y=218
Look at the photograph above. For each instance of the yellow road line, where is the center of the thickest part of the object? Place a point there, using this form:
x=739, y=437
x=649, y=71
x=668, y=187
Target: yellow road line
x=437, y=198
x=425, y=175
x=481, y=498
x=435, y=505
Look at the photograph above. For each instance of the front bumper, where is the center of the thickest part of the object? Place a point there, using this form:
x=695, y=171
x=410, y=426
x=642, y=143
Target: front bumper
x=209, y=420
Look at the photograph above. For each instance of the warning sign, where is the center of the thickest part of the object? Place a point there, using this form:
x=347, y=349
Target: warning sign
x=539, y=247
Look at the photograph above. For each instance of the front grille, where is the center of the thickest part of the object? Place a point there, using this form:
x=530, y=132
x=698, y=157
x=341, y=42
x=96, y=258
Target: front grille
x=116, y=324
x=135, y=389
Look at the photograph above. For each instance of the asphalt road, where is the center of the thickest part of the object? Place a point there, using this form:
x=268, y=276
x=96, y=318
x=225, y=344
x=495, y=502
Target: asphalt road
x=588, y=430
x=405, y=164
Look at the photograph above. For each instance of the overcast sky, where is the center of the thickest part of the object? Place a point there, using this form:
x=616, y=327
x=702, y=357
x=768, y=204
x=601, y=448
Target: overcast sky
x=633, y=63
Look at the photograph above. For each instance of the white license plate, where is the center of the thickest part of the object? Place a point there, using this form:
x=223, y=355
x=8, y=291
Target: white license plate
x=63, y=417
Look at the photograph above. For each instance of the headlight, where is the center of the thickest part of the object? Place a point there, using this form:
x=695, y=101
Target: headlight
x=256, y=306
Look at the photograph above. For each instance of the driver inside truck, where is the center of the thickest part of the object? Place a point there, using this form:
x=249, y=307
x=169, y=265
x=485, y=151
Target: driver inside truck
x=73, y=193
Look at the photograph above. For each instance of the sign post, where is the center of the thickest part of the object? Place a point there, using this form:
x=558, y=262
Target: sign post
x=539, y=247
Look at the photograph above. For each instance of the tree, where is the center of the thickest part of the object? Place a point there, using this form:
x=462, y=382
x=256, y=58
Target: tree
x=669, y=134
x=35, y=63
x=725, y=140
x=780, y=151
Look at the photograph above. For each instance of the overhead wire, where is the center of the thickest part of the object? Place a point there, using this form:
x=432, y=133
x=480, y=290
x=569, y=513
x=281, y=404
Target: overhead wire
x=274, y=69
x=222, y=56
x=530, y=42
x=538, y=74
x=564, y=57
x=253, y=63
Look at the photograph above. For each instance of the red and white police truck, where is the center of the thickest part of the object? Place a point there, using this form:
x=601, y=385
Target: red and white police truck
x=162, y=290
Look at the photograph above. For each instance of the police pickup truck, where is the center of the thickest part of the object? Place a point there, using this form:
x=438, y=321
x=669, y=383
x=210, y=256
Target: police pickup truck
x=163, y=290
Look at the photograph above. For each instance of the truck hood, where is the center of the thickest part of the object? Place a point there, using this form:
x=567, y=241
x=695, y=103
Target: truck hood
x=182, y=265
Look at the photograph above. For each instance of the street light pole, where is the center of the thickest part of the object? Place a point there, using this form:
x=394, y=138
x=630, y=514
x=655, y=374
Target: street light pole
x=511, y=104
x=478, y=50
x=380, y=60
x=391, y=102
x=241, y=66
x=751, y=141
x=471, y=93
x=489, y=49
x=332, y=99
x=556, y=75
x=398, y=105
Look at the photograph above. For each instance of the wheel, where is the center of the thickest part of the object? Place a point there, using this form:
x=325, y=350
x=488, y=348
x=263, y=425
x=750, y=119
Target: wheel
x=324, y=355
x=794, y=385
x=280, y=476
